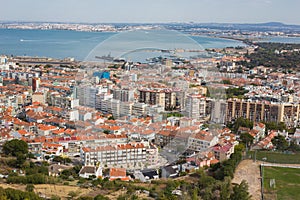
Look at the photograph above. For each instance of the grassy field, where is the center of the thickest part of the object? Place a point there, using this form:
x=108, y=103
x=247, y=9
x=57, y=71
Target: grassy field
x=287, y=183
x=275, y=157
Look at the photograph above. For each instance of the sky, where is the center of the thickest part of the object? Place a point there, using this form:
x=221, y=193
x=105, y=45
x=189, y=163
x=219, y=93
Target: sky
x=144, y=11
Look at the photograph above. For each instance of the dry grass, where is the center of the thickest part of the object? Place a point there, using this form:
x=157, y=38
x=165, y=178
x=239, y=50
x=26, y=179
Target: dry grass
x=60, y=190
x=49, y=190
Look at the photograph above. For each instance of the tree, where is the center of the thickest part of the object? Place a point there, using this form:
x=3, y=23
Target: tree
x=228, y=82
x=72, y=194
x=274, y=126
x=240, y=122
x=29, y=187
x=15, y=147
x=239, y=148
x=225, y=188
x=85, y=198
x=240, y=191
x=55, y=197
x=247, y=139
x=101, y=197
x=111, y=118
x=294, y=146
x=280, y=143
x=61, y=159
x=21, y=158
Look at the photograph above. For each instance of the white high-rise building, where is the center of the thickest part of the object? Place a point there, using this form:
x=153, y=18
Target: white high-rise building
x=218, y=111
x=87, y=95
x=115, y=108
x=195, y=105
x=139, y=109
x=126, y=108
x=103, y=101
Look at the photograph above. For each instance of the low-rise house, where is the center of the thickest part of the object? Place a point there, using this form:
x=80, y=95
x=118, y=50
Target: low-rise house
x=5, y=134
x=52, y=149
x=56, y=169
x=150, y=174
x=189, y=167
x=163, y=137
x=45, y=130
x=118, y=173
x=170, y=171
x=35, y=147
x=205, y=158
x=296, y=136
x=243, y=130
x=223, y=152
x=261, y=128
x=201, y=141
x=90, y=171
x=255, y=134
x=265, y=143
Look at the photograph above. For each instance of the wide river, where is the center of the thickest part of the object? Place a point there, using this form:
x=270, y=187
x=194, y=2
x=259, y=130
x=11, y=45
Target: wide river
x=78, y=45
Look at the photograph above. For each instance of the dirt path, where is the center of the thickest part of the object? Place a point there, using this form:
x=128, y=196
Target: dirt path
x=249, y=171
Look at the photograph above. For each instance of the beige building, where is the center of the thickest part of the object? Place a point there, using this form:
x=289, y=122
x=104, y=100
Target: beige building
x=165, y=98
x=39, y=97
x=263, y=111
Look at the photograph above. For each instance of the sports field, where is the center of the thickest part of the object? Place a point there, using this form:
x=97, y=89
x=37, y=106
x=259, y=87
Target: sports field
x=281, y=183
x=275, y=157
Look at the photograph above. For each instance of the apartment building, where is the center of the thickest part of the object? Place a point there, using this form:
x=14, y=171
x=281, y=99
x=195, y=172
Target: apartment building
x=165, y=98
x=126, y=108
x=59, y=100
x=217, y=111
x=87, y=95
x=263, y=111
x=130, y=155
x=195, y=106
x=124, y=94
x=201, y=141
x=139, y=109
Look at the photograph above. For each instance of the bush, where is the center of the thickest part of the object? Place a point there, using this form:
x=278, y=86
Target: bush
x=101, y=197
x=31, y=179
x=10, y=193
x=29, y=187
x=66, y=183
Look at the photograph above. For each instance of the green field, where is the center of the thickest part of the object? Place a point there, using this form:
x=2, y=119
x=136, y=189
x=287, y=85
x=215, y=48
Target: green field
x=275, y=157
x=287, y=183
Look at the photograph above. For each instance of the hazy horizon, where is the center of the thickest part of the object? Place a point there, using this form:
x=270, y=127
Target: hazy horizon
x=174, y=22
x=163, y=11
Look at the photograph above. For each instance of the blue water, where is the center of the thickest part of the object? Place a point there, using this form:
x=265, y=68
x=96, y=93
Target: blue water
x=281, y=39
x=63, y=44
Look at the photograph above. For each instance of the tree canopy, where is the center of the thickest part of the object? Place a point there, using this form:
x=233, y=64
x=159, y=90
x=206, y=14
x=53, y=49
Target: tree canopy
x=246, y=139
x=277, y=55
x=240, y=122
x=240, y=192
x=280, y=143
x=15, y=147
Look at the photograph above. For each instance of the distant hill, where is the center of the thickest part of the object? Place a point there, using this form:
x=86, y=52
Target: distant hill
x=261, y=27
x=272, y=24
x=190, y=26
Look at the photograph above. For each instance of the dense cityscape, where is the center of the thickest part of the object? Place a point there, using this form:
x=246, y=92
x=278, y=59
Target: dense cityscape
x=180, y=123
